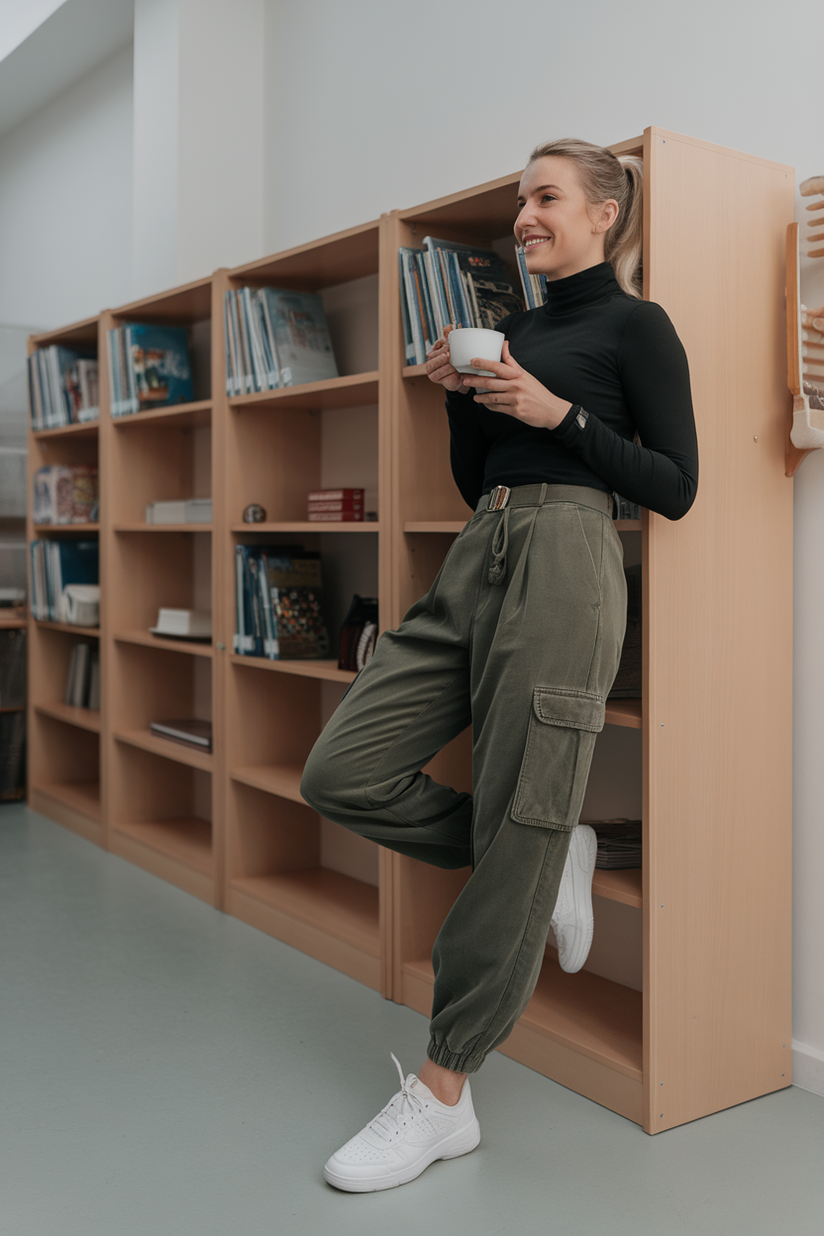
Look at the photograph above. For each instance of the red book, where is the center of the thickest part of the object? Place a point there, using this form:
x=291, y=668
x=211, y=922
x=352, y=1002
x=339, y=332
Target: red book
x=335, y=495
x=335, y=517
x=334, y=506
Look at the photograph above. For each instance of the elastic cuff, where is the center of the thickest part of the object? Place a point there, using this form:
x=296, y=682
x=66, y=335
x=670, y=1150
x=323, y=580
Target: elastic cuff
x=458, y=1062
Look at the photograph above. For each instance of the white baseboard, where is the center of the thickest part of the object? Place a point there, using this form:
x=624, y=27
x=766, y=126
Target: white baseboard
x=808, y=1067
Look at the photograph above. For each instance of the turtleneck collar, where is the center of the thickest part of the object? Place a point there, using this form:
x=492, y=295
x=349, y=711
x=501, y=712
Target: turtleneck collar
x=581, y=289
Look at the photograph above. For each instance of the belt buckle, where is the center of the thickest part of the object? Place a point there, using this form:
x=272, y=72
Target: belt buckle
x=498, y=498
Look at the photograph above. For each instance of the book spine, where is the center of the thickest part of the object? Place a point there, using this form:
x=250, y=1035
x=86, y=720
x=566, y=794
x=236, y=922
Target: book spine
x=334, y=517
x=335, y=495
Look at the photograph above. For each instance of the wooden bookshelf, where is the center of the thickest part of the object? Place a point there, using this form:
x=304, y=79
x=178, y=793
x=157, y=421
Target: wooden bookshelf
x=704, y=757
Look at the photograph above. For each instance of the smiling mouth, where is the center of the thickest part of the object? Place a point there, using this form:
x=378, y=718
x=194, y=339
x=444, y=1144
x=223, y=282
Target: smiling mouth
x=533, y=241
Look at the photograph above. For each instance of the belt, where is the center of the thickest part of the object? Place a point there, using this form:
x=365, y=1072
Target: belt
x=538, y=495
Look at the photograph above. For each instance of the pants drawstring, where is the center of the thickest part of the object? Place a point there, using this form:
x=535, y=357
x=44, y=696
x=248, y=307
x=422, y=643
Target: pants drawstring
x=500, y=542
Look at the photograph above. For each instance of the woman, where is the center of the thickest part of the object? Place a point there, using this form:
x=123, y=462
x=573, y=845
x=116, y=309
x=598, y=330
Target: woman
x=520, y=635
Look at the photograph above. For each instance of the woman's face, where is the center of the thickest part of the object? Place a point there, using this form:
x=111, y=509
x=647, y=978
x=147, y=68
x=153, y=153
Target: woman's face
x=559, y=231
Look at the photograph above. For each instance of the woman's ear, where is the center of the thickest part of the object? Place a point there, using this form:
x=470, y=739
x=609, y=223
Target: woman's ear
x=607, y=214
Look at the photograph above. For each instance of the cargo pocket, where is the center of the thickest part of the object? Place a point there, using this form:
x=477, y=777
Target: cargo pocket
x=562, y=729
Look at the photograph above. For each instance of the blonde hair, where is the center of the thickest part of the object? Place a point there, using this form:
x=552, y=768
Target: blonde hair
x=603, y=175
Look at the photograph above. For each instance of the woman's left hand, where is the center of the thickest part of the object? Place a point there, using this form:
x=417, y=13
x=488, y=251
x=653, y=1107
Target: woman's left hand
x=517, y=393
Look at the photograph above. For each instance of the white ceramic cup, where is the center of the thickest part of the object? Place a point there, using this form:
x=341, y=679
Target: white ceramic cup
x=465, y=342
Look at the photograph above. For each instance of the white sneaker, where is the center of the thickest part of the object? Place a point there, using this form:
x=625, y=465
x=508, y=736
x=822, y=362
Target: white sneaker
x=412, y=1131
x=573, y=921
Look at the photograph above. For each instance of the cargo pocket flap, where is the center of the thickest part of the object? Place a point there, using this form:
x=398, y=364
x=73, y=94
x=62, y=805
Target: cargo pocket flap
x=579, y=710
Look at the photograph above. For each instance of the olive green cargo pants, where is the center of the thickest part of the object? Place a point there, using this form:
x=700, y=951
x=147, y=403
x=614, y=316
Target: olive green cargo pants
x=520, y=637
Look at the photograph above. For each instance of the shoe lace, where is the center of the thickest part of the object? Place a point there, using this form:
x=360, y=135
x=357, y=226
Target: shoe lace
x=404, y=1104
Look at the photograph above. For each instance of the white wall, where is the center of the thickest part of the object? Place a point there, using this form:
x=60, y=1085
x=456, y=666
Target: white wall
x=65, y=203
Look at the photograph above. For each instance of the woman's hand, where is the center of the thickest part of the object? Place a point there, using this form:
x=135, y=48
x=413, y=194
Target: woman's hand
x=440, y=370
x=517, y=393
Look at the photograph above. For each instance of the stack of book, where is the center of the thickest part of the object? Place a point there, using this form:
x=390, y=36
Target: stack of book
x=83, y=680
x=619, y=843
x=278, y=603
x=190, y=732
x=334, y=505
x=65, y=494
x=186, y=511
x=54, y=564
x=447, y=283
x=149, y=367
x=534, y=286
x=275, y=338
x=63, y=388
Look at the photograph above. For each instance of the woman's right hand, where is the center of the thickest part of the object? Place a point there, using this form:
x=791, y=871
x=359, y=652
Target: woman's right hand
x=440, y=370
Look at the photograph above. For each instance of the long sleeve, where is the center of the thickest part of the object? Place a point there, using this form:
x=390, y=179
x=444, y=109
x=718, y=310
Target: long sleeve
x=468, y=446
x=661, y=472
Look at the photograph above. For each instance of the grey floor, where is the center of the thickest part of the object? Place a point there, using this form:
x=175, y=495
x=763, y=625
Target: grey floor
x=166, y=1069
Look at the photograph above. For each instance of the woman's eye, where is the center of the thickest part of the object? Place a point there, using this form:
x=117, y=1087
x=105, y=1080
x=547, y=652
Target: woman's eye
x=548, y=197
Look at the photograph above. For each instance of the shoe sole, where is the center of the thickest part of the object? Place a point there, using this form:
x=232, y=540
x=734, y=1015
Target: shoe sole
x=464, y=1141
x=583, y=852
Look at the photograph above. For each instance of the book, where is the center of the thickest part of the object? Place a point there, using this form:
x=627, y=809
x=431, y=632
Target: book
x=318, y=517
x=54, y=564
x=184, y=511
x=63, y=387
x=65, y=494
x=183, y=624
x=300, y=336
x=189, y=732
x=345, y=504
x=149, y=367
x=335, y=495
x=358, y=633
x=78, y=680
x=619, y=843
x=279, y=611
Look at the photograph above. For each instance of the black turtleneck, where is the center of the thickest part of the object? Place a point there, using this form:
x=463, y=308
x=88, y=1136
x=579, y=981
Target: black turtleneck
x=621, y=363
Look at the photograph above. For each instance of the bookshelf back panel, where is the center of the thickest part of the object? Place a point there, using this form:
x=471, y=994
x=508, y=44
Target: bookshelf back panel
x=49, y=663
x=60, y=752
x=427, y=489
x=152, y=571
x=352, y=318
x=267, y=834
x=273, y=459
x=152, y=684
x=349, y=452
x=72, y=449
x=421, y=557
x=148, y=788
x=271, y=718
x=617, y=950
x=350, y=565
x=346, y=852
x=158, y=462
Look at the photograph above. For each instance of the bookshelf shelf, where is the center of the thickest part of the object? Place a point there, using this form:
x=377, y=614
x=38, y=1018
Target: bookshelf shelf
x=194, y=415
x=166, y=748
x=593, y=1016
x=169, y=645
x=327, y=670
x=351, y=391
x=58, y=530
x=43, y=624
x=81, y=796
x=137, y=527
x=303, y=526
x=282, y=780
x=87, y=430
x=86, y=718
x=625, y=712
x=623, y=885
x=231, y=827
x=329, y=915
x=189, y=841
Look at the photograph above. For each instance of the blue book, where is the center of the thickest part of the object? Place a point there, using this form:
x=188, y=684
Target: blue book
x=158, y=364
